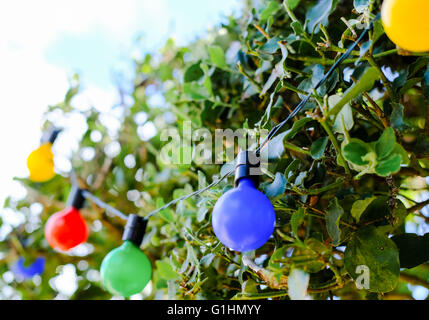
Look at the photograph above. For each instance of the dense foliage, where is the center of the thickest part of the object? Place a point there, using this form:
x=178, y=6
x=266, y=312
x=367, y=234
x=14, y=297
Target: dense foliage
x=345, y=177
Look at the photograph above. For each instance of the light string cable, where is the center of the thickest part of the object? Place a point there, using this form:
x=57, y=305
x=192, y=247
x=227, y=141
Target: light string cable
x=88, y=195
x=100, y=203
x=262, y=145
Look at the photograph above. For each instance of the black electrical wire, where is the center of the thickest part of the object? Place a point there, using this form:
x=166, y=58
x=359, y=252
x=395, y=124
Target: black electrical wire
x=195, y=193
x=103, y=205
x=88, y=195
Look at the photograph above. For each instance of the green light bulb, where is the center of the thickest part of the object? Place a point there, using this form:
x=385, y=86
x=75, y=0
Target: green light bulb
x=126, y=270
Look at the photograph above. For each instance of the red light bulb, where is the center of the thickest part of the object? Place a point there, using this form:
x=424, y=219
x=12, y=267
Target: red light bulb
x=66, y=229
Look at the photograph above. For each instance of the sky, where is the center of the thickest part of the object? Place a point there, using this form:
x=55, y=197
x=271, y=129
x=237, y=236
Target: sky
x=44, y=42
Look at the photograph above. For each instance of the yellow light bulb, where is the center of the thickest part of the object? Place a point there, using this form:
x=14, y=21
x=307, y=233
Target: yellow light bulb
x=40, y=163
x=406, y=23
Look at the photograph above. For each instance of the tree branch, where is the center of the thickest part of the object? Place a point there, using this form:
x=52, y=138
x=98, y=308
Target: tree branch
x=414, y=280
x=419, y=206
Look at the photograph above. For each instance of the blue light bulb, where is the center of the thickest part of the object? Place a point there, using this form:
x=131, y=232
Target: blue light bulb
x=243, y=218
x=36, y=268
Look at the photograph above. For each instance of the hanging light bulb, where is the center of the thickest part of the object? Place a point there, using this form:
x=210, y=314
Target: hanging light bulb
x=27, y=272
x=406, y=23
x=40, y=162
x=67, y=229
x=243, y=218
x=126, y=270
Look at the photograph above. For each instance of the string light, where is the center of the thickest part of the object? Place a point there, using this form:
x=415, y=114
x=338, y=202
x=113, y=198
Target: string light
x=243, y=218
x=28, y=272
x=67, y=229
x=126, y=270
x=40, y=162
x=405, y=23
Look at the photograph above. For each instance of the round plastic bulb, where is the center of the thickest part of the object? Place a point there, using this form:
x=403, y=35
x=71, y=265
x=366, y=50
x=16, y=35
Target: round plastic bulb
x=406, y=23
x=66, y=229
x=40, y=163
x=243, y=218
x=126, y=270
x=27, y=272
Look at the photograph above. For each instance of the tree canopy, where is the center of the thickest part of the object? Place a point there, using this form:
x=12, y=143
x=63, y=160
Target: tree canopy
x=346, y=177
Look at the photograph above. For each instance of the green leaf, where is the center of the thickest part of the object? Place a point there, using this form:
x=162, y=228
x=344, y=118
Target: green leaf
x=355, y=151
x=166, y=214
x=292, y=4
x=319, y=14
x=277, y=187
x=371, y=248
x=249, y=286
x=166, y=270
x=329, y=85
x=195, y=91
x=409, y=85
x=377, y=30
x=378, y=213
x=364, y=48
x=343, y=121
x=217, y=56
x=382, y=157
x=292, y=167
x=275, y=147
x=388, y=166
x=207, y=82
x=318, y=147
x=333, y=215
x=277, y=72
x=318, y=72
x=300, y=179
x=271, y=46
x=207, y=260
x=360, y=206
x=201, y=213
x=365, y=83
x=401, y=151
x=385, y=145
x=419, y=64
x=295, y=221
x=277, y=255
x=270, y=10
x=401, y=79
x=193, y=73
x=413, y=249
x=297, y=28
x=297, y=125
x=397, y=116
x=267, y=115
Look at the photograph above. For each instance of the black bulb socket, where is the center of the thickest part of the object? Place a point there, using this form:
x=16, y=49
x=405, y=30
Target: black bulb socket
x=76, y=198
x=247, y=165
x=51, y=135
x=135, y=229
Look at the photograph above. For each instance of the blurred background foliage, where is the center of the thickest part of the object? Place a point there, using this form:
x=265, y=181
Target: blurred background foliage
x=250, y=73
